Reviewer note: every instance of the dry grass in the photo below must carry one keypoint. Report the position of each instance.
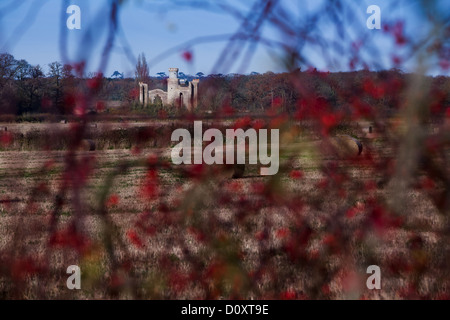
(20, 173)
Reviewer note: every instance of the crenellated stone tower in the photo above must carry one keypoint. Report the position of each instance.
(173, 86)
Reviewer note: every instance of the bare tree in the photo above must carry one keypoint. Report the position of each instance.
(7, 66)
(56, 74)
(142, 71)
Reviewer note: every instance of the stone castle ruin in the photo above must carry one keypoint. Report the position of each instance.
(177, 94)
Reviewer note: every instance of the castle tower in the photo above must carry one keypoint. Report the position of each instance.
(194, 93)
(172, 86)
(143, 93)
(173, 73)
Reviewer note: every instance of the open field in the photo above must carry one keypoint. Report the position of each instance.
(189, 232)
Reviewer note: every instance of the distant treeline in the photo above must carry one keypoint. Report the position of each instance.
(26, 89)
(300, 90)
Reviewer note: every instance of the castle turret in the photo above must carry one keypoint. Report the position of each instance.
(172, 85)
(143, 93)
(194, 97)
(173, 73)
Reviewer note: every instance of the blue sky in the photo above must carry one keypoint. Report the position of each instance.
(30, 30)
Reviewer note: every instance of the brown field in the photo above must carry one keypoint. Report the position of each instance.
(24, 220)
